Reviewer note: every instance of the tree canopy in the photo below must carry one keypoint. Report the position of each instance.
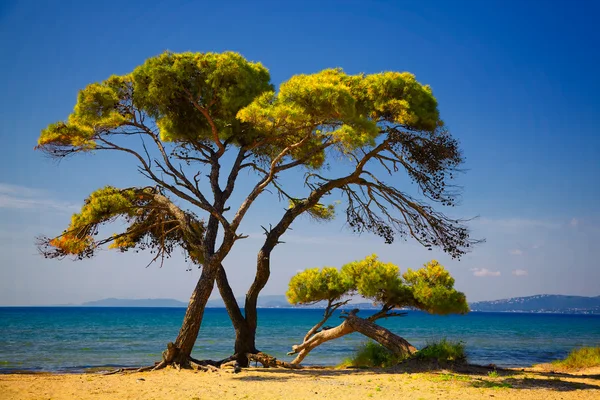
(194, 106)
(430, 288)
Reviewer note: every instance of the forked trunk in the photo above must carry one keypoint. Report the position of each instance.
(244, 325)
(244, 334)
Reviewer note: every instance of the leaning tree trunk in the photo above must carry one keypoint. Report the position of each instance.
(195, 311)
(319, 338)
(383, 336)
(352, 323)
(180, 352)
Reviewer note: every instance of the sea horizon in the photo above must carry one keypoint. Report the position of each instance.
(287, 308)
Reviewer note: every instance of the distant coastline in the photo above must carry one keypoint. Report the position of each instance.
(545, 303)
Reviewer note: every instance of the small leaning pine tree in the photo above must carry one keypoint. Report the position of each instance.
(430, 289)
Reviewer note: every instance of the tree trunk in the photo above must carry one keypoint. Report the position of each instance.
(245, 326)
(245, 343)
(383, 336)
(193, 315)
(319, 338)
(181, 351)
(244, 335)
(263, 271)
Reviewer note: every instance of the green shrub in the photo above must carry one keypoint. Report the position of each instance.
(372, 354)
(584, 357)
(443, 351)
(493, 374)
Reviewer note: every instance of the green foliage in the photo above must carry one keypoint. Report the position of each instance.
(336, 106)
(433, 290)
(149, 226)
(584, 357)
(101, 206)
(429, 289)
(198, 97)
(177, 90)
(443, 351)
(373, 279)
(372, 355)
(319, 212)
(313, 285)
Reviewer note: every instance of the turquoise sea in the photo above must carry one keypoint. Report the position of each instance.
(76, 338)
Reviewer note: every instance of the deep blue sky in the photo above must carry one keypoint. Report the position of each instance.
(516, 81)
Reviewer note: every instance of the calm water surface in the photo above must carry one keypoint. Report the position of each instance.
(75, 338)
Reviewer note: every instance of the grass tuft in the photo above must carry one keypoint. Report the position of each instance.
(584, 357)
(372, 355)
(443, 351)
(491, 385)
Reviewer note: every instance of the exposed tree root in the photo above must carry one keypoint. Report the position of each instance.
(271, 362)
(119, 370)
(172, 357)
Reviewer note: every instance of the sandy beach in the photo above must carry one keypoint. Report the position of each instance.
(255, 383)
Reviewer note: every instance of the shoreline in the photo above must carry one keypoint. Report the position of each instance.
(467, 382)
(91, 370)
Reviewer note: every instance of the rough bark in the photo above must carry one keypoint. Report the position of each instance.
(383, 336)
(352, 323)
(245, 343)
(319, 338)
(244, 336)
(329, 310)
(194, 313)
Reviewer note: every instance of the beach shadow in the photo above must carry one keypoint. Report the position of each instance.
(471, 375)
(499, 378)
(549, 371)
(282, 374)
(555, 384)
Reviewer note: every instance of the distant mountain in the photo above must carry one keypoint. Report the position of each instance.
(542, 303)
(135, 303)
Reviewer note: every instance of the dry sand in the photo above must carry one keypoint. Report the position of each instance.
(335, 384)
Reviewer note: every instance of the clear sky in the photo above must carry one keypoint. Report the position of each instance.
(517, 83)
